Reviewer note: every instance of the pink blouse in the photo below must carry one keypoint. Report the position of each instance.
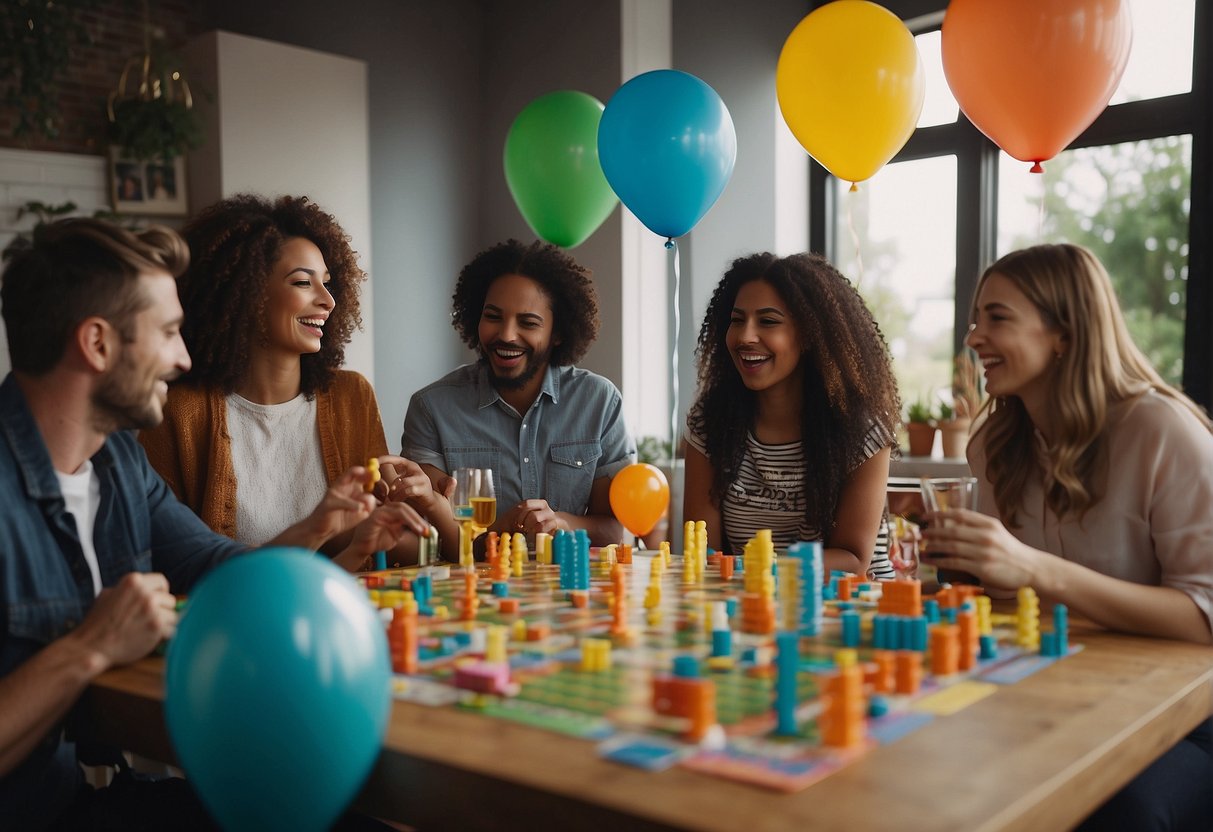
(1154, 522)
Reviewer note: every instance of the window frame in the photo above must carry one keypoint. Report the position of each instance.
(977, 186)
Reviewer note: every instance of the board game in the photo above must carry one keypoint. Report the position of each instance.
(755, 668)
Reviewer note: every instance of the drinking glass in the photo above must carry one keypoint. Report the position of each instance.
(465, 487)
(483, 498)
(943, 493)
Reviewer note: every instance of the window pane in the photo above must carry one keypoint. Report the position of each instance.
(938, 107)
(902, 223)
(1128, 203)
(1160, 61)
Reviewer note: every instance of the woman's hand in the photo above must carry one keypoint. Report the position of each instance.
(980, 545)
(404, 481)
(382, 530)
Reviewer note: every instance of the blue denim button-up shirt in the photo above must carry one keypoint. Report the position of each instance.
(45, 585)
(573, 434)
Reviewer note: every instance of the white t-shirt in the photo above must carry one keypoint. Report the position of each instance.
(82, 493)
(280, 474)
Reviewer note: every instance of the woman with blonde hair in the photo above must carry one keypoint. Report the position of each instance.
(1095, 483)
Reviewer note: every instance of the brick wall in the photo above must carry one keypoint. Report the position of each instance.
(116, 29)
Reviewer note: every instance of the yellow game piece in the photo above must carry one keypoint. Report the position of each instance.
(372, 467)
(494, 648)
(543, 548)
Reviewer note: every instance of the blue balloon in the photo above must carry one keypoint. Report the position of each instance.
(667, 146)
(278, 690)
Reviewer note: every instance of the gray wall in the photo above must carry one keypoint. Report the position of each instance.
(424, 61)
(535, 47)
(447, 79)
(734, 49)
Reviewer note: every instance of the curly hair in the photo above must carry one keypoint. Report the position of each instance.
(848, 382)
(74, 269)
(234, 245)
(1101, 365)
(569, 287)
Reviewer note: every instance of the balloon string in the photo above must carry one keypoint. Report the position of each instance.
(673, 247)
(1040, 216)
(855, 236)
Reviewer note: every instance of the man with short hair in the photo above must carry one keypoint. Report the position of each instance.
(91, 539)
(553, 434)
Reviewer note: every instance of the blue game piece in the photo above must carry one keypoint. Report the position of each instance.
(686, 667)
(988, 647)
(722, 642)
(850, 628)
(786, 662)
(949, 615)
(501, 589)
(380, 561)
(878, 706)
(930, 608)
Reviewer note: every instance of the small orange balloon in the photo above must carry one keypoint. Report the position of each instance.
(640, 494)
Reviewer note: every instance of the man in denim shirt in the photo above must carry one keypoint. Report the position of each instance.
(553, 434)
(91, 539)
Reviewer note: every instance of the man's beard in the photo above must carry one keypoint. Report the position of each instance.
(119, 403)
(535, 363)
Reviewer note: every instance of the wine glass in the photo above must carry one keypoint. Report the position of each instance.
(483, 498)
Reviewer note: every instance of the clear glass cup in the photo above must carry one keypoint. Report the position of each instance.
(466, 485)
(943, 493)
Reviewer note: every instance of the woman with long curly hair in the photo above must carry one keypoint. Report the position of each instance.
(1095, 487)
(265, 420)
(794, 425)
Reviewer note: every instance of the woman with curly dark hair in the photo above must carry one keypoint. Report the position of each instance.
(794, 425)
(553, 434)
(265, 420)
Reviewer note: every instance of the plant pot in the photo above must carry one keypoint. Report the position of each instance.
(922, 438)
(955, 437)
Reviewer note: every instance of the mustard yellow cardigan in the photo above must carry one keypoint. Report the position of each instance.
(192, 449)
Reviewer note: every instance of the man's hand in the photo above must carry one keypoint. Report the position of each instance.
(530, 517)
(128, 619)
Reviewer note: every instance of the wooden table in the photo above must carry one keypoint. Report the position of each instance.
(1037, 755)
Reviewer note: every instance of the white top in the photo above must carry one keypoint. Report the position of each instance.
(279, 471)
(82, 493)
(768, 493)
(1154, 523)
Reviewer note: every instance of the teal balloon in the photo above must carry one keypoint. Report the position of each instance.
(668, 147)
(277, 691)
(552, 168)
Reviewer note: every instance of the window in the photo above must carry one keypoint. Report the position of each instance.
(1131, 188)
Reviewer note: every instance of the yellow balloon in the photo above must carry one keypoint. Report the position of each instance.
(850, 85)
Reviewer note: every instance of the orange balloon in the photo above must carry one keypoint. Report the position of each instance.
(1033, 74)
(640, 494)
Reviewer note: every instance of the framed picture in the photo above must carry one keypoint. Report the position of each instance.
(150, 187)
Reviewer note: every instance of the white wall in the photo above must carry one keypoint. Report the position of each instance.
(424, 62)
(301, 128)
(52, 179)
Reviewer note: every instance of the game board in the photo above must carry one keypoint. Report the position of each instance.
(733, 667)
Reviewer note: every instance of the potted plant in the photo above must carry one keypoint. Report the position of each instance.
(920, 428)
(956, 419)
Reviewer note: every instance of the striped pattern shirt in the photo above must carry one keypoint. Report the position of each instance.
(768, 493)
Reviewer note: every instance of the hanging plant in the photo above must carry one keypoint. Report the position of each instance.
(157, 129)
(36, 40)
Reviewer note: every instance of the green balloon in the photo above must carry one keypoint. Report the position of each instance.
(552, 168)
